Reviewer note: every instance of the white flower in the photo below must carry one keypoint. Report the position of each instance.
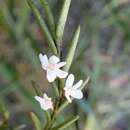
(45, 102)
(52, 67)
(72, 90)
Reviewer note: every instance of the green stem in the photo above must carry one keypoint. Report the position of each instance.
(49, 17)
(49, 125)
(57, 106)
(43, 26)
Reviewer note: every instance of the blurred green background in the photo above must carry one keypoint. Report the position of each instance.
(103, 54)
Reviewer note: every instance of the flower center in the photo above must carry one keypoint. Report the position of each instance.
(49, 104)
(51, 66)
(68, 90)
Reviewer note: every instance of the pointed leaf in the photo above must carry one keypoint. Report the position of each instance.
(28, 98)
(23, 18)
(85, 82)
(66, 123)
(8, 20)
(43, 26)
(91, 123)
(48, 118)
(36, 121)
(72, 49)
(62, 21)
(36, 87)
(49, 16)
(61, 108)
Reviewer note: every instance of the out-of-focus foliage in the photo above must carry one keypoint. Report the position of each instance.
(103, 54)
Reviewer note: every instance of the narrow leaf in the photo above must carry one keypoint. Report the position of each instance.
(91, 123)
(43, 26)
(36, 88)
(85, 82)
(61, 108)
(8, 21)
(62, 21)
(49, 16)
(36, 121)
(66, 123)
(28, 98)
(72, 49)
(48, 118)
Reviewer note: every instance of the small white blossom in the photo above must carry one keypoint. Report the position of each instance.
(45, 102)
(52, 67)
(72, 90)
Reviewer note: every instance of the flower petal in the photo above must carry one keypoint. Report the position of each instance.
(69, 81)
(61, 74)
(53, 59)
(68, 97)
(51, 75)
(61, 64)
(44, 107)
(45, 102)
(48, 107)
(39, 99)
(78, 84)
(77, 94)
(43, 60)
(45, 96)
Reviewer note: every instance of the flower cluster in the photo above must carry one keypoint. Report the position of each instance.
(52, 67)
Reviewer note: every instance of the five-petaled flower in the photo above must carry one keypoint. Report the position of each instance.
(45, 102)
(72, 90)
(52, 67)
